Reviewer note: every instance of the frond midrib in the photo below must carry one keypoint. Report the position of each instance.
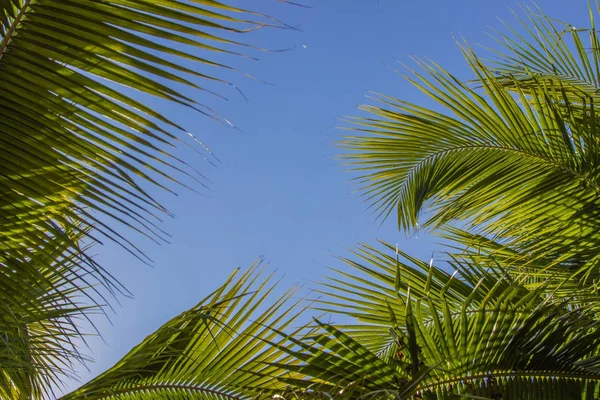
(498, 147)
(510, 374)
(13, 28)
(170, 386)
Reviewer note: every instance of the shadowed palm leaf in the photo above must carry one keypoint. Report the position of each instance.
(562, 279)
(43, 297)
(335, 365)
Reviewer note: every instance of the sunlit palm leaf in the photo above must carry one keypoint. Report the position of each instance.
(502, 339)
(75, 145)
(217, 350)
(553, 51)
(515, 160)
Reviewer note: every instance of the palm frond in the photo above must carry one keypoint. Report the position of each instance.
(338, 366)
(43, 299)
(550, 50)
(220, 349)
(75, 145)
(500, 340)
(80, 150)
(510, 160)
(368, 292)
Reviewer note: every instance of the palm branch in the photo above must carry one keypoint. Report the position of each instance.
(80, 149)
(219, 349)
(43, 299)
(333, 364)
(550, 50)
(475, 333)
(76, 145)
(562, 279)
(513, 156)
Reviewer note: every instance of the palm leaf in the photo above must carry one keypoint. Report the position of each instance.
(43, 299)
(503, 339)
(338, 366)
(220, 349)
(75, 145)
(514, 159)
(550, 50)
(559, 277)
(78, 149)
(369, 290)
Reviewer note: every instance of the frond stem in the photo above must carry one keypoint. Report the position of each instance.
(174, 386)
(13, 28)
(525, 374)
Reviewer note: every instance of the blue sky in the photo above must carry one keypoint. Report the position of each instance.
(278, 191)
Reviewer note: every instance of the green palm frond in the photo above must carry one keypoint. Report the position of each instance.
(78, 150)
(561, 278)
(514, 161)
(369, 290)
(552, 51)
(75, 145)
(338, 366)
(43, 298)
(461, 163)
(220, 349)
(500, 340)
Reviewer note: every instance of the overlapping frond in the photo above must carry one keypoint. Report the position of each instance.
(502, 340)
(559, 277)
(514, 156)
(368, 292)
(338, 366)
(220, 349)
(75, 145)
(552, 51)
(42, 303)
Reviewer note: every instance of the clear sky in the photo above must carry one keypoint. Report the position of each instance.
(278, 191)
